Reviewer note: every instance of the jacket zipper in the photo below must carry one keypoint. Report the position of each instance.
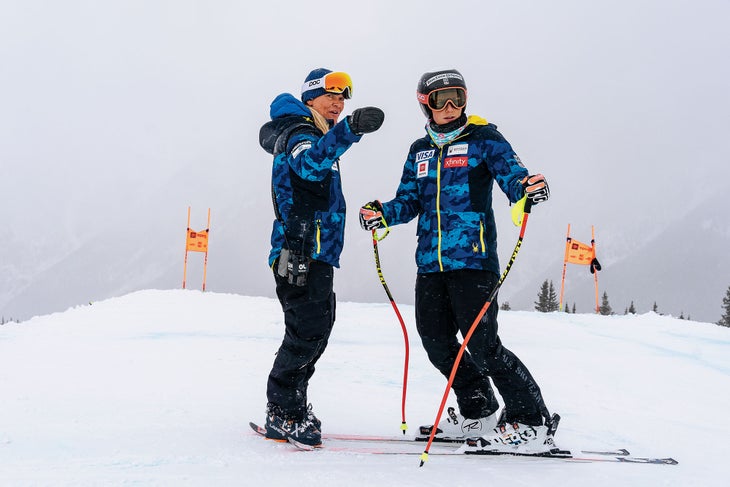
(438, 206)
(319, 226)
(481, 236)
(438, 198)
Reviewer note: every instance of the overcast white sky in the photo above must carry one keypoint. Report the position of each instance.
(122, 113)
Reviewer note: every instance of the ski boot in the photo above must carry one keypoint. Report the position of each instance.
(516, 439)
(457, 428)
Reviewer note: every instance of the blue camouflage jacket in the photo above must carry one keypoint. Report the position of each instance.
(449, 189)
(305, 181)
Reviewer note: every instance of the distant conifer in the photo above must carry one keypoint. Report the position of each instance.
(725, 320)
(547, 299)
(605, 308)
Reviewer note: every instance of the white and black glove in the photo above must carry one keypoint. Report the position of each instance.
(371, 216)
(536, 188)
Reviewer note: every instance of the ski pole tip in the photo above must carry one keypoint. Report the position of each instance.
(424, 457)
(403, 427)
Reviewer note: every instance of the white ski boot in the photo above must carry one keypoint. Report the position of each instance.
(457, 428)
(515, 439)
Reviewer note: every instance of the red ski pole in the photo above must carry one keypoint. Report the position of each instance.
(376, 238)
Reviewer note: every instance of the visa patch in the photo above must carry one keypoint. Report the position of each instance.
(425, 155)
(456, 162)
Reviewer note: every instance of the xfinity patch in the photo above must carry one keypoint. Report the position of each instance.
(458, 150)
(422, 169)
(300, 147)
(424, 155)
(456, 162)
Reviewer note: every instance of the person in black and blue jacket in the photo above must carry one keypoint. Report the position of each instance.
(447, 183)
(306, 140)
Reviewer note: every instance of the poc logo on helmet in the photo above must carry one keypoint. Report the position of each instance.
(314, 82)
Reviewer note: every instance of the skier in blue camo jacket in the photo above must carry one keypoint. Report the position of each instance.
(307, 141)
(447, 183)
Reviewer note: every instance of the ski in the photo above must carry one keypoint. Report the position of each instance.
(395, 445)
(596, 456)
(563, 455)
(374, 438)
(302, 446)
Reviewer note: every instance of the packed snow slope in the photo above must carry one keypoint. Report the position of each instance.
(158, 387)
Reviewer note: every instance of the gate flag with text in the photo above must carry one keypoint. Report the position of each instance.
(582, 254)
(196, 241)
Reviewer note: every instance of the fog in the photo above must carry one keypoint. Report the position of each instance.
(116, 116)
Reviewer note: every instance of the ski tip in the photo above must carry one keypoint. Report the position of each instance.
(257, 429)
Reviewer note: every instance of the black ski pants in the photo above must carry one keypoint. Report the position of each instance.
(309, 315)
(448, 303)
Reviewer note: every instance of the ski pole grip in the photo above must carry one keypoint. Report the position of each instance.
(528, 205)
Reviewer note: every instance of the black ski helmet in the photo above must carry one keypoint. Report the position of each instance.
(433, 81)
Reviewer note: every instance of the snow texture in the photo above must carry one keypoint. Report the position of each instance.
(158, 387)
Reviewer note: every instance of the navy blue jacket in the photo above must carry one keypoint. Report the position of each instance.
(449, 189)
(305, 181)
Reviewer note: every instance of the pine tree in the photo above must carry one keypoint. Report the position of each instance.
(505, 306)
(547, 299)
(605, 308)
(632, 308)
(725, 320)
(553, 304)
(542, 297)
(573, 308)
(655, 308)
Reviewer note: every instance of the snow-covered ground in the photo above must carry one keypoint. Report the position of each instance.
(158, 387)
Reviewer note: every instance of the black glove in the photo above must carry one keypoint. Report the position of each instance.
(366, 120)
(371, 216)
(536, 188)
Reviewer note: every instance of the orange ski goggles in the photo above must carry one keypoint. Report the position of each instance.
(337, 82)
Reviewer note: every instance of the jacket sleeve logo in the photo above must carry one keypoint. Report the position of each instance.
(299, 148)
